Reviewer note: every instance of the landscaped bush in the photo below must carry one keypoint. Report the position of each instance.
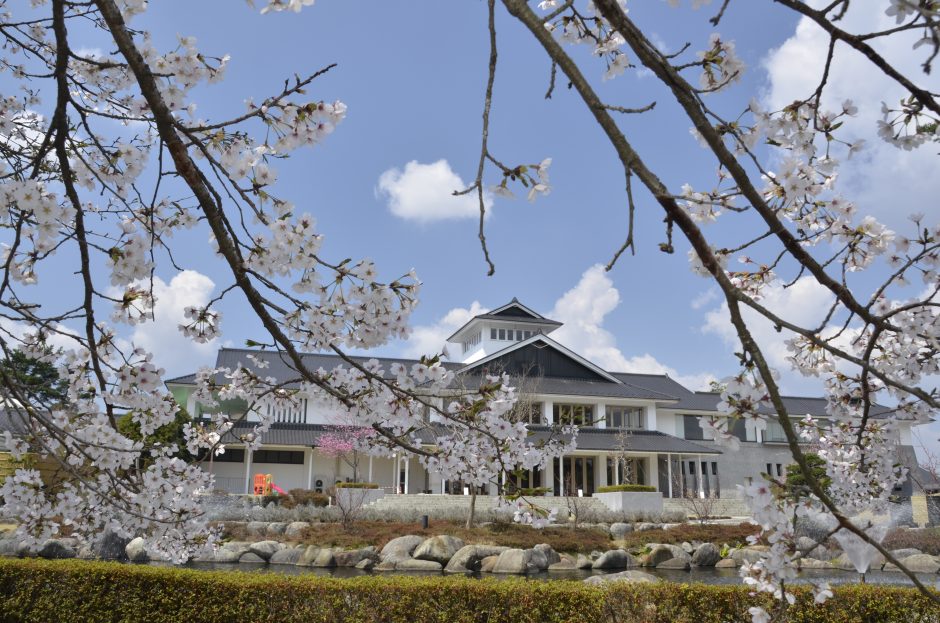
(713, 533)
(356, 485)
(617, 488)
(308, 496)
(34, 591)
(926, 540)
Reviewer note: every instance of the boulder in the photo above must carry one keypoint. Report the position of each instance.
(110, 546)
(309, 555)
(27, 551)
(353, 557)
(843, 562)
(85, 553)
(727, 563)
(55, 548)
(550, 553)
(287, 556)
(468, 557)
(583, 562)
(674, 563)
(567, 563)
(136, 550)
(226, 555)
(614, 559)
(662, 553)
(918, 563)
(620, 529)
(265, 549)
(8, 546)
(623, 576)
(905, 552)
(706, 555)
(514, 561)
(365, 564)
(256, 528)
(413, 564)
(644, 526)
(438, 548)
(325, 558)
(687, 547)
(813, 563)
(401, 547)
(750, 554)
(295, 530)
(252, 558)
(489, 563)
(276, 528)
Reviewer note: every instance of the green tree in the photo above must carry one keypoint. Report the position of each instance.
(167, 434)
(33, 380)
(795, 483)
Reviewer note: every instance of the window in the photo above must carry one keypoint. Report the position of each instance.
(778, 471)
(502, 334)
(231, 455)
(579, 415)
(285, 457)
(492, 334)
(693, 429)
(774, 432)
(530, 413)
(625, 417)
(472, 341)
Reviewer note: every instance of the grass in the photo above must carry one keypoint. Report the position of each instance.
(570, 540)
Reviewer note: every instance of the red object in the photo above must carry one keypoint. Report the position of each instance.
(278, 489)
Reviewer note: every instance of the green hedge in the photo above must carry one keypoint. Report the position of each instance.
(356, 485)
(71, 591)
(616, 488)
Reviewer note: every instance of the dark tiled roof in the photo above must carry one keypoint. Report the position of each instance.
(284, 434)
(514, 319)
(797, 406)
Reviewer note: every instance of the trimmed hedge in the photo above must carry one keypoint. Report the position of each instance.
(617, 488)
(356, 485)
(38, 591)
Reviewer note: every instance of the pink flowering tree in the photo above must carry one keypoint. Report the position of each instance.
(346, 443)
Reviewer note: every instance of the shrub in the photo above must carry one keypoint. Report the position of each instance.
(926, 540)
(617, 488)
(37, 591)
(356, 485)
(308, 496)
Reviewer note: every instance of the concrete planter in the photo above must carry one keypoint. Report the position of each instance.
(349, 498)
(650, 502)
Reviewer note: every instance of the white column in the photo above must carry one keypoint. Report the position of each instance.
(601, 461)
(561, 475)
(548, 477)
(247, 471)
(396, 466)
(600, 416)
(669, 472)
(651, 417)
(548, 411)
(407, 470)
(370, 468)
(310, 468)
(443, 485)
(698, 475)
(653, 471)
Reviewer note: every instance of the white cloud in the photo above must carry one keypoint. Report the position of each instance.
(583, 308)
(704, 298)
(161, 337)
(424, 193)
(805, 303)
(429, 339)
(882, 180)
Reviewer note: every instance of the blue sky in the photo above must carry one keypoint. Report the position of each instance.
(412, 74)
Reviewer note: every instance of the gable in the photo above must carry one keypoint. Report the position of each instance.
(540, 360)
(514, 311)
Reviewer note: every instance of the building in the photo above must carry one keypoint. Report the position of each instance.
(649, 421)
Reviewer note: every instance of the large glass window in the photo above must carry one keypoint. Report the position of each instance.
(528, 412)
(287, 457)
(579, 415)
(693, 429)
(774, 432)
(625, 417)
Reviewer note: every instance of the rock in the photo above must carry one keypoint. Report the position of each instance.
(620, 529)
(674, 563)
(276, 528)
(706, 555)
(412, 564)
(644, 526)
(110, 546)
(614, 559)
(237, 546)
(365, 564)
(226, 555)
(438, 548)
(750, 554)
(136, 550)
(85, 553)
(401, 548)
(918, 563)
(55, 548)
(295, 530)
(550, 553)
(489, 563)
(309, 555)
(265, 549)
(256, 528)
(567, 563)
(843, 562)
(252, 559)
(727, 563)
(287, 556)
(687, 547)
(813, 563)
(325, 558)
(514, 561)
(583, 562)
(623, 576)
(662, 553)
(354, 557)
(468, 557)
(905, 552)
(8, 547)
